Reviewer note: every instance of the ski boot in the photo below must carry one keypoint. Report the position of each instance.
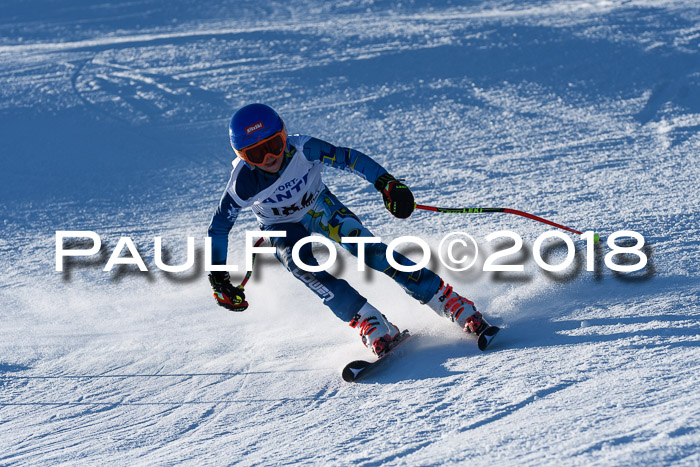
(446, 302)
(376, 331)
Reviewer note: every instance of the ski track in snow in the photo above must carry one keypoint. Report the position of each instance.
(113, 119)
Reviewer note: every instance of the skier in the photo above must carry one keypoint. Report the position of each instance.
(279, 177)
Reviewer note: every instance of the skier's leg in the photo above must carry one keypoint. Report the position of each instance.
(332, 219)
(345, 302)
(329, 217)
(448, 303)
(375, 329)
(336, 293)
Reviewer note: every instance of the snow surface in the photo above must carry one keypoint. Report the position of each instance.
(113, 118)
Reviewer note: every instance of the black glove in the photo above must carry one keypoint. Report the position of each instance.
(227, 295)
(398, 199)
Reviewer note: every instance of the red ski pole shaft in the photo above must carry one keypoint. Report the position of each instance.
(505, 210)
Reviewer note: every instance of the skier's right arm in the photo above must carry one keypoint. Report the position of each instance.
(239, 193)
(220, 226)
(225, 293)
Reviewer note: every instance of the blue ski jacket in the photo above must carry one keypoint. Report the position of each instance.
(285, 196)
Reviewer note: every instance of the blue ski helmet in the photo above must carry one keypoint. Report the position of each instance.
(253, 123)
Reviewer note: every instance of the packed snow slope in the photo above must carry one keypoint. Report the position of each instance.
(113, 118)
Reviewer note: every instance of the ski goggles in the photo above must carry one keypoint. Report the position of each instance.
(261, 152)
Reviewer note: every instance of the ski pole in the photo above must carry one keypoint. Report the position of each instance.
(250, 273)
(505, 210)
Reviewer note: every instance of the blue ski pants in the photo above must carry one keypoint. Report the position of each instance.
(330, 218)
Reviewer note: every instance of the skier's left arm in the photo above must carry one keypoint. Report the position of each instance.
(398, 198)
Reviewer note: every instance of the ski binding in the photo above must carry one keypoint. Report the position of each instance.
(360, 368)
